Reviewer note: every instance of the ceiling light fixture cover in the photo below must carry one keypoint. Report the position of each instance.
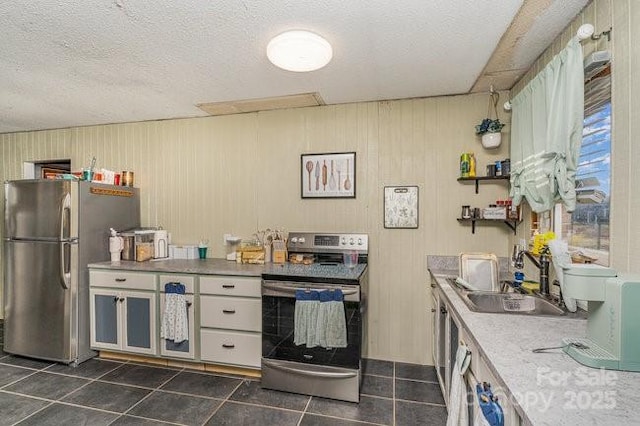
(299, 51)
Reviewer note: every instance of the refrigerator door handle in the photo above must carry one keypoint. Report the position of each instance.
(65, 217)
(65, 264)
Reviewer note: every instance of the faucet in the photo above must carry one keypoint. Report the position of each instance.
(542, 263)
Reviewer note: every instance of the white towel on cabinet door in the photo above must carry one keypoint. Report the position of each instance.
(458, 414)
(175, 325)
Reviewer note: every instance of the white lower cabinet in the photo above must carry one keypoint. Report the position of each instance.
(123, 320)
(449, 333)
(231, 320)
(187, 348)
(231, 347)
(224, 315)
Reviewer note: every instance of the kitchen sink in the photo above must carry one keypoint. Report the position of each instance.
(506, 302)
(510, 303)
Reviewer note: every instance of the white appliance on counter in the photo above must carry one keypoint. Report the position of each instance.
(52, 230)
(613, 324)
(160, 244)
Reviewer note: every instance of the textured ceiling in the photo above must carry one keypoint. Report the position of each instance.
(74, 63)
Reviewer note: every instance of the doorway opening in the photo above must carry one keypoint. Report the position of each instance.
(47, 169)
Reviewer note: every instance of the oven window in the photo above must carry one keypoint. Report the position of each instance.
(277, 336)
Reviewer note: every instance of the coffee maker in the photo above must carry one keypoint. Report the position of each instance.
(613, 323)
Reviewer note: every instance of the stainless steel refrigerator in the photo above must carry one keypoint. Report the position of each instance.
(53, 229)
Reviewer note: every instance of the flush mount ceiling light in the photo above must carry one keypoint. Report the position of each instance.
(299, 51)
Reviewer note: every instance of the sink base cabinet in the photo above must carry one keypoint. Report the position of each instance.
(449, 333)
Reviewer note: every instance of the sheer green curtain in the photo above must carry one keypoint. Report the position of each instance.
(546, 133)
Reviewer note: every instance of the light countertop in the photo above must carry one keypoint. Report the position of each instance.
(547, 388)
(184, 266)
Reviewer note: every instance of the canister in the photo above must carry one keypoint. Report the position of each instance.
(465, 165)
(127, 178)
(506, 167)
(128, 246)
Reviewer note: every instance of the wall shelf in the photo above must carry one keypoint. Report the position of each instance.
(511, 223)
(478, 179)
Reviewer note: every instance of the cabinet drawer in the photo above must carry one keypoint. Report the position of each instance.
(225, 285)
(122, 279)
(187, 280)
(229, 347)
(236, 313)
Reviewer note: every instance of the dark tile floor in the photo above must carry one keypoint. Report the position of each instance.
(104, 392)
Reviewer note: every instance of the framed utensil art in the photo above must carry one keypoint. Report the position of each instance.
(401, 207)
(330, 175)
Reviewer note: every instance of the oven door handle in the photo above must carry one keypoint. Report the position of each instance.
(292, 290)
(325, 374)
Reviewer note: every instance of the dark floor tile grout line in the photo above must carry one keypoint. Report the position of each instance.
(417, 380)
(434, 404)
(304, 410)
(344, 418)
(34, 413)
(290, 410)
(223, 402)
(393, 394)
(70, 404)
(146, 418)
(16, 381)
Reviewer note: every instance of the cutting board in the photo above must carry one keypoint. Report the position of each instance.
(480, 270)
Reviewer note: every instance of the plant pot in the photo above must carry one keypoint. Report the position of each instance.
(491, 140)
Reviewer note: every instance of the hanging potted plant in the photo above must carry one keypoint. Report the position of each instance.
(490, 128)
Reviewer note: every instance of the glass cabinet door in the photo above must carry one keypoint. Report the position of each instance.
(139, 322)
(105, 321)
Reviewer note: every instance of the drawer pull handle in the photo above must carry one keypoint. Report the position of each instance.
(121, 299)
(228, 286)
(228, 346)
(228, 311)
(189, 304)
(120, 280)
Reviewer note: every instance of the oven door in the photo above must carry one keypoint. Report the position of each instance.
(278, 313)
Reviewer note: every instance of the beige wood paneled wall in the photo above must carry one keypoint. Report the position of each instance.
(201, 178)
(623, 16)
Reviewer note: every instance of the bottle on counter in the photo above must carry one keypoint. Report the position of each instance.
(465, 165)
(472, 165)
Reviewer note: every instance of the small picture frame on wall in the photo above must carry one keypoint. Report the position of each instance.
(400, 207)
(330, 175)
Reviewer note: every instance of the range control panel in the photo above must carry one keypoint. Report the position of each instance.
(320, 242)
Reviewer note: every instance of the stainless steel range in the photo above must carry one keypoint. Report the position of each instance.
(301, 303)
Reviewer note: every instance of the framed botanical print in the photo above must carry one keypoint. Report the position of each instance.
(401, 207)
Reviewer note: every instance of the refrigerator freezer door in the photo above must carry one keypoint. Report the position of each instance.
(40, 290)
(38, 210)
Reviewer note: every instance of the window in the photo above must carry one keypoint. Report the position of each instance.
(587, 228)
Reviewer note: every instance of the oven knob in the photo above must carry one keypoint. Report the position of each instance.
(344, 241)
(351, 241)
(301, 240)
(294, 240)
(359, 241)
